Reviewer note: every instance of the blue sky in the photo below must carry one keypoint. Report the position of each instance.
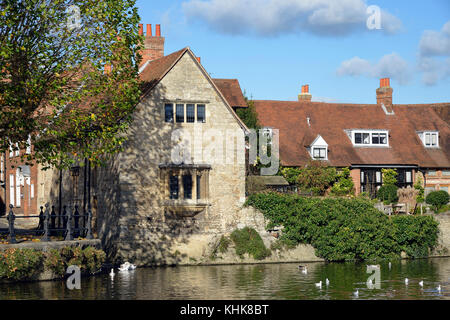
(275, 46)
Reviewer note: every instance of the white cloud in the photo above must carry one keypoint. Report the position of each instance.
(389, 66)
(275, 17)
(434, 55)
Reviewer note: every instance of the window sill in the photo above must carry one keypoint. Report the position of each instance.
(186, 208)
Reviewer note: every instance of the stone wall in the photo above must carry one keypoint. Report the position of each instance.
(443, 248)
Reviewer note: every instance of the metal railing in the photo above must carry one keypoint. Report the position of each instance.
(48, 224)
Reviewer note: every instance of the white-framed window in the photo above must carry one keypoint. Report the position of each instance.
(408, 177)
(432, 172)
(446, 172)
(2, 168)
(370, 138)
(319, 153)
(378, 176)
(18, 188)
(430, 139)
(11, 189)
(28, 151)
(184, 113)
(32, 191)
(362, 176)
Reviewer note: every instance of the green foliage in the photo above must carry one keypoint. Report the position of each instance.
(89, 259)
(344, 184)
(316, 177)
(20, 264)
(52, 81)
(389, 176)
(437, 199)
(247, 240)
(339, 229)
(290, 174)
(249, 115)
(388, 194)
(418, 186)
(416, 235)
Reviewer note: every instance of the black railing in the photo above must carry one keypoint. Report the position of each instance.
(66, 224)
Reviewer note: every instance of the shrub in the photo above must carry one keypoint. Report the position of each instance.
(247, 240)
(290, 174)
(339, 229)
(437, 199)
(388, 194)
(418, 186)
(416, 234)
(389, 177)
(20, 264)
(316, 177)
(344, 184)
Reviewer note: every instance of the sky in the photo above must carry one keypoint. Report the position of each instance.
(341, 48)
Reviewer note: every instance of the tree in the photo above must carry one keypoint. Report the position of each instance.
(437, 199)
(389, 176)
(316, 177)
(249, 115)
(344, 184)
(53, 87)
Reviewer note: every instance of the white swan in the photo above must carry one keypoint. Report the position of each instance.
(438, 288)
(319, 284)
(421, 283)
(127, 266)
(304, 269)
(390, 265)
(112, 274)
(356, 293)
(327, 282)
(406, 281)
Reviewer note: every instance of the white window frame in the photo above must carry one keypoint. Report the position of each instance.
(431, 134)
(2, 168)
(370, 134)
(313, 149)
(12, 189)
(18, 189)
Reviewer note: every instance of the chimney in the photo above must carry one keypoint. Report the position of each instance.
(141, 29)
(384, 94)
(305, 95)
(153, 45)
(199, 60)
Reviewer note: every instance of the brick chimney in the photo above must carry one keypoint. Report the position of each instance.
(305, 95)
(153, 45)
(384, 94)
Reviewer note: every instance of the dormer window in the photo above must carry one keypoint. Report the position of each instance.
(370, 138)
(430, 139)
(319, 149)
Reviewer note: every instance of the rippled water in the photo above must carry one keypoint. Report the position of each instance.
(245, 282)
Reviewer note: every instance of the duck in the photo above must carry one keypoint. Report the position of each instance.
(356, 293)
(319, 284)
(421, 283)
(304, 269)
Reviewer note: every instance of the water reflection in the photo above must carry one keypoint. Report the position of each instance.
(242, 282)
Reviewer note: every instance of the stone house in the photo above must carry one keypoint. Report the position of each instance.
(180, 180)
(413, 139)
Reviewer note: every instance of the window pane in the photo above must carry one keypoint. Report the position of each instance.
(375, 138)
(431, 172)
(187, 186)
(190, 113)
(173, 185)
(408, 176)
(383, 138)
(168, 112)
(378, 176)
(446, 172)
(358, 138)
(434, 139)
(323, 153)
(427, 139)
(316, 153)
(199, 180)
(201, 114)
(366, 138)
(180, 112)
(362, 176)
(11, 189)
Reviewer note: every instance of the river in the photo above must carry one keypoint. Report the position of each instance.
(254, 282)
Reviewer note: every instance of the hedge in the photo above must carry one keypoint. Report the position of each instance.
(343, 229)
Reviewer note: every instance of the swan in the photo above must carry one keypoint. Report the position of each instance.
(111, 274)
(421, 283)
(406, 281)
(127, 266)
(390, 265)
(304, 269)
(319, 284)
(438, 288)
(327, 282)
(356, 293)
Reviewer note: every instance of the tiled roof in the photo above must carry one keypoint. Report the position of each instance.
(231, 90)
(330, 120)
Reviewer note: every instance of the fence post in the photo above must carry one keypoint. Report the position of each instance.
(89, 221)
(46, 237)
(12, 232)
(76, 230)
(53, 215)
(64, 218)
(69, 235)
(41, 219)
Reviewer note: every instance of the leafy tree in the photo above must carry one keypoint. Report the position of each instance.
(316, 177)
(419, 186)
(389, 176)
(438, 199)
(388, 193)
(290, 174)
(344, 184)
(53, 87)
(249, 115)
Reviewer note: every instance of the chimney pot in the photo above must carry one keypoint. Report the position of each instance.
(199, 60)
(149, 30)
(141, 29)
(158, 30)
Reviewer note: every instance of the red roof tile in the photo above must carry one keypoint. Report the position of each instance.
(231, 90)
(330, 120)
